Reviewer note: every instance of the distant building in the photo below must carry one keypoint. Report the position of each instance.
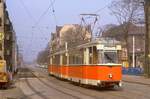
(136, 32)
(2, 12)
(71, 33)
(8, 43)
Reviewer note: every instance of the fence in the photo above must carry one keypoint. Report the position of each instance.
(132, 71)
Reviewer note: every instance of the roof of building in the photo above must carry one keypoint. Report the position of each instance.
(119, 31)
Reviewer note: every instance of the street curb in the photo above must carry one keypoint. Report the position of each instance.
(136, 82)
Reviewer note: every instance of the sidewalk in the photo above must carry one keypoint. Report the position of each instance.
(136, 79)
(12, 93)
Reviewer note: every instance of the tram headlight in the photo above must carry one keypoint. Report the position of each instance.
(110, 75)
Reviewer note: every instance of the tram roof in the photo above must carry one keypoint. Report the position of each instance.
(103, 41)
(59, 52)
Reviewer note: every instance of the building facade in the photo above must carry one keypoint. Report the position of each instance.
(2, 9)
(135, 42)
(72, 34)
(8, 42)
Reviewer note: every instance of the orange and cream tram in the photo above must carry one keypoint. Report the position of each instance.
(96, 63)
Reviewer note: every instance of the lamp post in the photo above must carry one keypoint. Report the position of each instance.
(133, 56)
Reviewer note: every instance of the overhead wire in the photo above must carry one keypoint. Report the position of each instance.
(104, 7)
(99, 10)
(40, 18)
(53, 10)
(27, 11)
(51, 6)
(45, 12)
(30, 15)
(33, 19)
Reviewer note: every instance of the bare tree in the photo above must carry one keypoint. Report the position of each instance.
(127, 12)
(43, 56)
(76, 36)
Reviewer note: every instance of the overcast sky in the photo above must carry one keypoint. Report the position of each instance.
(33, 31)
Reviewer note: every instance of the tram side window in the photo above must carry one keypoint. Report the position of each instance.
(75, 59)
(64, 59)
(56, 60)
(53, 60)
(78, 59)
(70, 59)
(95, 56)
(90, 55)
(100, 58)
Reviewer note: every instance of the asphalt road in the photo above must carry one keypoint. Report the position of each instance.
(37, 84)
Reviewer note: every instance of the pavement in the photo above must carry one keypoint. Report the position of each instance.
(136, 79)
(12, 93)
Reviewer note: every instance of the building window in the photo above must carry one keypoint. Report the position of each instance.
(7, 37)
(8, 52)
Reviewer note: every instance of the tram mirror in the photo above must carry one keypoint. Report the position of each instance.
(118, 47)
(100, 46)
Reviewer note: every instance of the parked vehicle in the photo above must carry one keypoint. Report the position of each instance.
(5, 76)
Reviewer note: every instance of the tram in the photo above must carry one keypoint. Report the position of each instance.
(96, 63)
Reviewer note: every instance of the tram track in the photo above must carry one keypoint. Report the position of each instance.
(49, 86)
(74, 96)
(70, 89)
(73, 91)
(95, 89)
(87, 94)
(34, 90)
(95, 97)
(112, 93)
(26, 72)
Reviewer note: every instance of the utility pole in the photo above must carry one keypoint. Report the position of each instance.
(147, 39)
(133, 56)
